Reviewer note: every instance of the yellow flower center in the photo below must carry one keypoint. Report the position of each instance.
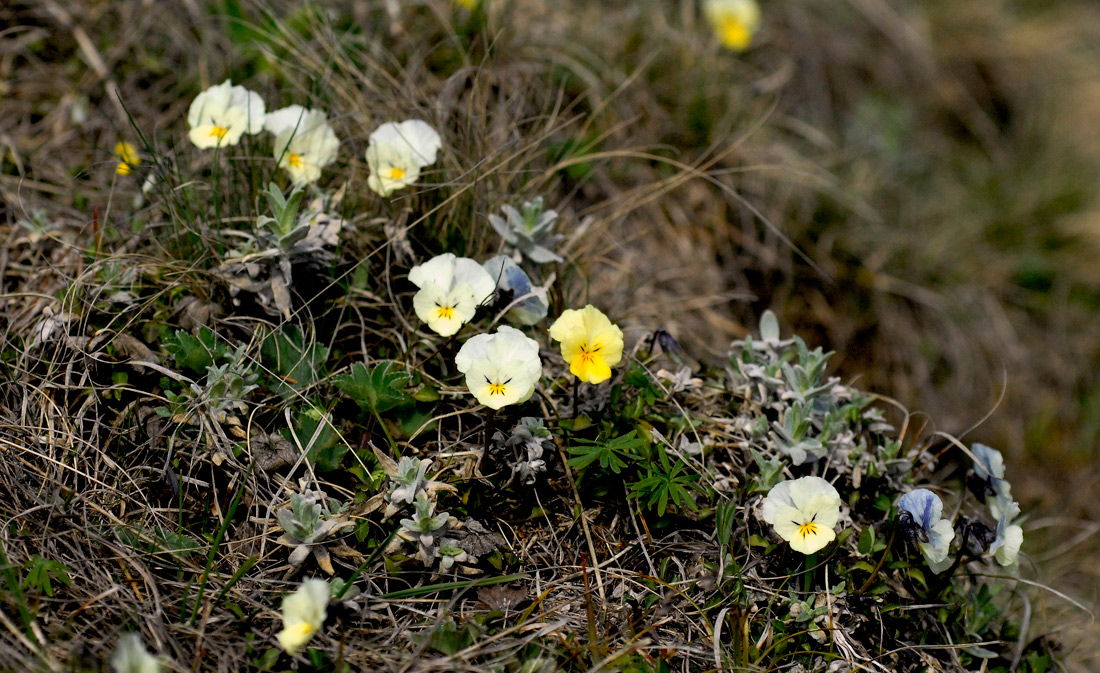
(588, 353)
(808, 528)
(218, 132)
(733, 33)
(294, 160)
(397, 173)
(445, 312)
(497, 388)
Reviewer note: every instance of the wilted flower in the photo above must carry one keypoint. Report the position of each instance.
(219, 116)
(734, 21)
(304, 612)
(304, 141)
(921, 515)
(529, 304)
(501, 368)
(451, 288)
(127, 156)
(1009, 536)
(131, 656)
(397, 152)
(803, 512)
(590, 343)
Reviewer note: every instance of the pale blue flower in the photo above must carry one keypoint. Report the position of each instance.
(529, 304)
(1009, 536)
(989, 467)
(924, 510)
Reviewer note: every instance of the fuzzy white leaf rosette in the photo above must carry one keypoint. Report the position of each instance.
(398, 152)
(219, 116)
(803, 512)
(304, 612)
(304, 142)
(501, 368)
(932, 532)
(451, 288)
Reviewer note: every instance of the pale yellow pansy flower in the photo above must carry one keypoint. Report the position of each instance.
(397, 153)
(451, 288)
(590, 343)
(304, 612)
(803, 512)
(219, 116)
(131, 656)
(304, 142)
(501, 368)
(735, 22)
(127, 156)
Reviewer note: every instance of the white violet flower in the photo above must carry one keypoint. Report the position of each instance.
(304, 612)
(397, 153)
(501, 368)
(304, 142)
(1009, 537)
(803, 511)
(219, 116)
(451, 288)
(922, 512)
(131, 656)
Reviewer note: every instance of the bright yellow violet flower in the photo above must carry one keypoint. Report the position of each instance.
(451, 288)
(304, 612)
(590, 343)
(803, 512)
(127, 156)
(219, 116)
(501, 368)
(131, 656)
(735, 22)
(304, 142)
(397, 153)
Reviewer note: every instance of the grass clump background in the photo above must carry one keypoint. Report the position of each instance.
(198, 410)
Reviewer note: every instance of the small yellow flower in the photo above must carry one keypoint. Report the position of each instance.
(468, 4)
(131, 656)
(304, 612)
(803, 512)
(219, 116)
(590, 343)
(397, 152)
(127, 157)
(304, 141)
(735, 22)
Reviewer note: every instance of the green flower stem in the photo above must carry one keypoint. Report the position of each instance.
(576, 395)
(386, 431)
(807, 576)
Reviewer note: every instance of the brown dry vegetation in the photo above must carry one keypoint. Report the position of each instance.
(910, 184)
